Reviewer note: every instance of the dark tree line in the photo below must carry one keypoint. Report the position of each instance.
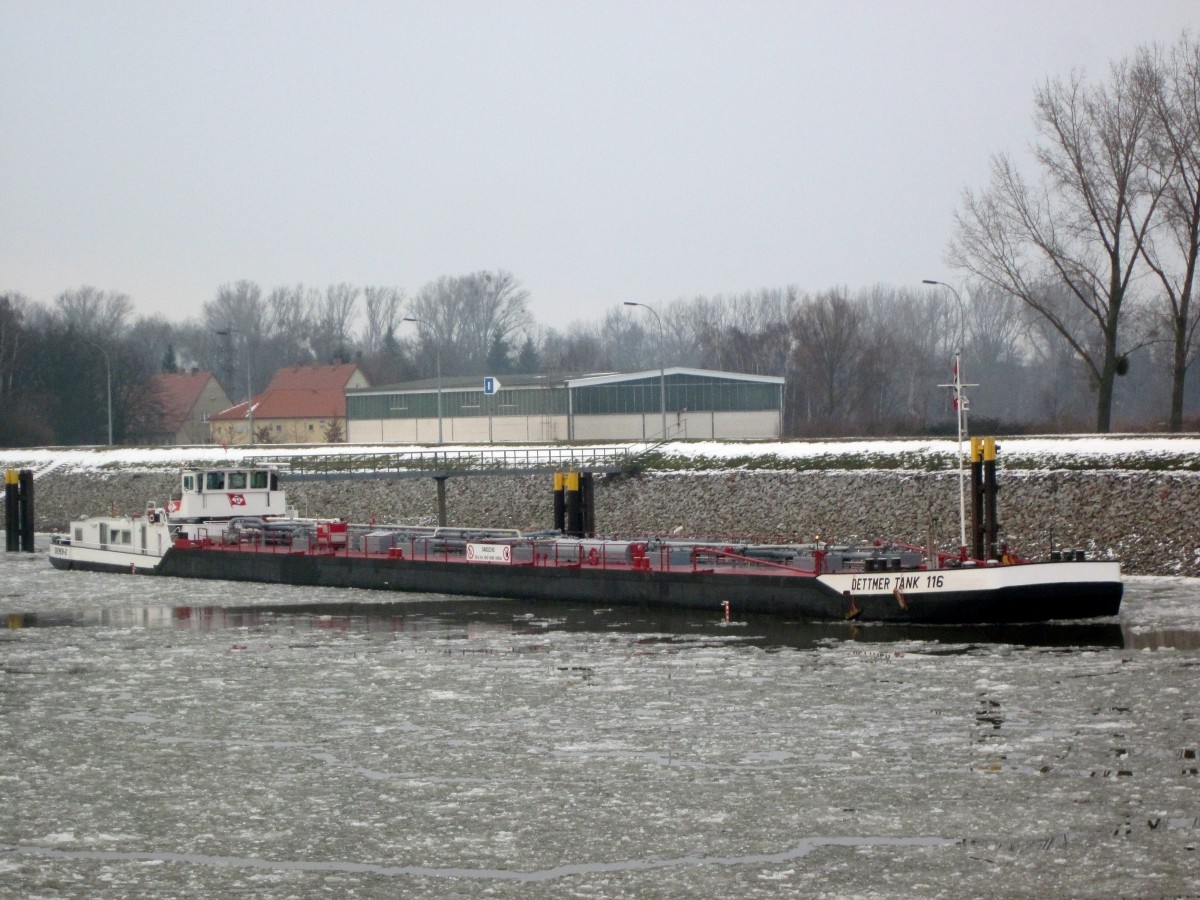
(864, 363)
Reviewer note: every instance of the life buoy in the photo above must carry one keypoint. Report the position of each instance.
(594, 557)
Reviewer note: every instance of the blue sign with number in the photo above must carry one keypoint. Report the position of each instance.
(490, 385)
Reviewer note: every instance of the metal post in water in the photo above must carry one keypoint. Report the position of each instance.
(977, 551)
(574, 513)
(560, 508)
(991, 525)
(12, 537)
(587, 496)
(25, 480)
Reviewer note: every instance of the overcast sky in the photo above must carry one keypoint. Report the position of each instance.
(600, 151)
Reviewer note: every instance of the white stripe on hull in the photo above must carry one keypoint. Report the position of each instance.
(135, 560)
(971, 578)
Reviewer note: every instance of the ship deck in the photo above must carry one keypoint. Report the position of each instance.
(702, 559)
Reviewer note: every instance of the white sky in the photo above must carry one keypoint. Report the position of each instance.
(599, 151)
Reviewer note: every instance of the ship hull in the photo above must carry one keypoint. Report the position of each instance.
(1026, 593)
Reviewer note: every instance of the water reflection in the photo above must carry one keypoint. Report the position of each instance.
(467, 619)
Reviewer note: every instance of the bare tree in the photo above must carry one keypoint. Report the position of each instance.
(12, 307)
(237, 310)
(382, 306)
(238, 306)
(335, 321)
(744, 333)
(1082, 227)
(577, 351)
(922, 329)
(1171, 80)
(290, 311)
(94, 313)
(464, 317)
(826, 338)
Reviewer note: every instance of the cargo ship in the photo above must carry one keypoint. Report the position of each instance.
(234, 523)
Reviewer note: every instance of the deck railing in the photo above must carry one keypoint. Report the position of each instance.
(522, 551)
(460, 459)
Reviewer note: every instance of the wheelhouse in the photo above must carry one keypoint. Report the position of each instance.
(229, 491)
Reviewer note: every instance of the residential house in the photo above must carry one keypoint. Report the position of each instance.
(181, 405)
(301, 405)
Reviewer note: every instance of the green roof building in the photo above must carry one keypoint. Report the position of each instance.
(537, 408)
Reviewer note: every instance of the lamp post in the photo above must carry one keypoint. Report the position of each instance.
(662, 364)
(960, 407)
(249, 383)
(438, 362)
(108, 372)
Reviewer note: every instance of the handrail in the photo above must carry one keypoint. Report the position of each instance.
(750, 560)
(504, 458)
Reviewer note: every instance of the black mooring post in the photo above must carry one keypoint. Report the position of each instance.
(991, 522)
(574, 513)
(25, 482)
(560, 507)
(976, 498)
(441, 489)
(587, 497)
(12, 537)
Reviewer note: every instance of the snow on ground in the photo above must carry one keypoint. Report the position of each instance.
(1136, 451)
(1089, 445)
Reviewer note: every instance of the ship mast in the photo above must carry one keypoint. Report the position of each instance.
(961, 406)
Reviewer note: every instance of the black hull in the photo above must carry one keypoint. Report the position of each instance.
(787, 595)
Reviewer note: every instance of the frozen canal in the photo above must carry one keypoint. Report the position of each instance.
(176, 738)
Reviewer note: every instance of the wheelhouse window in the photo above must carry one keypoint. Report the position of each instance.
(189, 482)
(258, 479)
(214, 481)
(237, 481)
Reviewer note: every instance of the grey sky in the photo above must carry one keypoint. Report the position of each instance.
(599, 151)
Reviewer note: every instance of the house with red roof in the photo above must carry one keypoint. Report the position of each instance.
(181, 404)
(301, 405)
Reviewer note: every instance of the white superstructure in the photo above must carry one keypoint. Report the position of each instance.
(206, 501)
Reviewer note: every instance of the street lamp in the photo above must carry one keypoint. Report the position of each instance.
(249, 383)
(960, 407)
(662, 364)
(438, 357)
(108, 372)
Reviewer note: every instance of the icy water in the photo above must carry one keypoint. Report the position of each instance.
(182, 739)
